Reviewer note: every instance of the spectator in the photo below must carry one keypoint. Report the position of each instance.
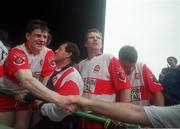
(172, 64)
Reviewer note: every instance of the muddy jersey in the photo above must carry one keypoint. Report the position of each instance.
(144, 85)
(21, 58)
(67, 82)
(103, 77)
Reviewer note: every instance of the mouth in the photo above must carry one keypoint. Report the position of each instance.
(40, 44)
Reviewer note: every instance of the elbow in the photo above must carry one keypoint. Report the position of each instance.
(26, 81)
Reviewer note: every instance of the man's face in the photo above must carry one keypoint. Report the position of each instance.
(61, 53)
(128, 67)
(36, 39)
(94, 41)
(171, 62)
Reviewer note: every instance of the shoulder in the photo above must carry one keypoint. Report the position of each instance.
(108, 56)
(16, 50)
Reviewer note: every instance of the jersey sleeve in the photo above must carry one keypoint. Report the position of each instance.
(119, 78)
(150, 80)
(53, 112)
(16, 60)
(49, 64)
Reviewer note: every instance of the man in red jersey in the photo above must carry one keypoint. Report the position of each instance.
(25, 65)
(65, 80)
(104, 78)
(146, 90)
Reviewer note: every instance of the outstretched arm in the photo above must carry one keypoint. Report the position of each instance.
(124, 112)
(33, 85)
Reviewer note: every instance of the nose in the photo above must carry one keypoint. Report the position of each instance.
(95, 38)
(55, 51)
(43, 39)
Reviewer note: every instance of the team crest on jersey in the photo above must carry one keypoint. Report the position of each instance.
(19, 59)
(121, 74)
(89, 85)
(96, 68)
(41, 62)
(52, 63)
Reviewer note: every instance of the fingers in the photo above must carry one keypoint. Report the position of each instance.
(71, 102)
(20, 97)
(71, 108)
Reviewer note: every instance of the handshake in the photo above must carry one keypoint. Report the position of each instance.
(69, 103)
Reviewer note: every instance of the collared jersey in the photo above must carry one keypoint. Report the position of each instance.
(103, 77)
(66, 82)
(144, 85)
(20, 58)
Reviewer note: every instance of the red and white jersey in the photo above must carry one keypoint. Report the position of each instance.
(103, 77)
(67, 82)
(144, 85)
(21, 58)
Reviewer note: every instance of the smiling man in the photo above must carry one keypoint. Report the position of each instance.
(26, 64)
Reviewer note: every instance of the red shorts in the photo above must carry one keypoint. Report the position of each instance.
(8, 103)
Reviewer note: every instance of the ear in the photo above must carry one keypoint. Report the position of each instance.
(69, 54)
(27, 36)
(85, 44)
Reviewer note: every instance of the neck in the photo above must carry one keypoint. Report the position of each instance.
(31, 50)
(93, 53)
(62, 63)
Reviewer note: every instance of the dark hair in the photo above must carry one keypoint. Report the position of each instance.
(128, 53)
(37, 24)
(3, 36)
(92, 30)
(49, 39)
(72, 48)
(172, 57)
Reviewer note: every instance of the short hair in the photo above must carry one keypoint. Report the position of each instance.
(128, 53)
(173, 58)
(49, 39)
(92, 30)
(36, 24)
(74, 49)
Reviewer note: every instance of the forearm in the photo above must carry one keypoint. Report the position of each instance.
(125, 95)
(123, 112)
(34, 86)
(44, 80)
(158, 99)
